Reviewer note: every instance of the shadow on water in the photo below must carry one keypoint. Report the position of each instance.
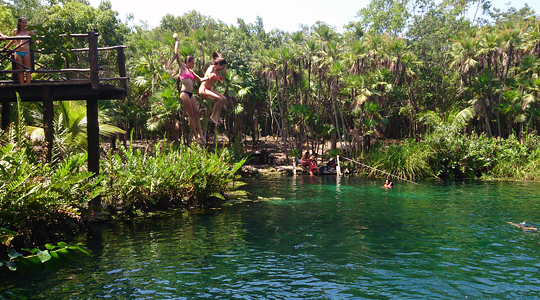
(320, 238)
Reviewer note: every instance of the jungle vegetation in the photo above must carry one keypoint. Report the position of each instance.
(413, 69)
(419, 88)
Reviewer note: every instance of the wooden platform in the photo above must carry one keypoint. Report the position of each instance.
(59, 90)
(90, 87)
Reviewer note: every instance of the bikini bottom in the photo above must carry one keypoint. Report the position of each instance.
(22, 53)
(190, 94)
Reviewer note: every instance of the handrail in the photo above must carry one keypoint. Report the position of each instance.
(99, 49)
(17, 37)
(25, 37)
(93, 69)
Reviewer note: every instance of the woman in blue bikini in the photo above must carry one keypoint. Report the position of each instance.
(186, 93)
(22, 52)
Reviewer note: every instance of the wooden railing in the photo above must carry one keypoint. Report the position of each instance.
(92, 71)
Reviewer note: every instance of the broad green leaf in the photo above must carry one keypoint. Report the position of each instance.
(13, 254)
(11, 265)
(50, 246)
(44, 255)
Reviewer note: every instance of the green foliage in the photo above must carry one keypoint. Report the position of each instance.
(51, 257)
(31, 190)
(334, 152)
(170, 176)
(517, 161)
(7, 21)
(385, 16)
(70, 127)
(295, 153)
(409, 160)
(77, 17)
(450, 154)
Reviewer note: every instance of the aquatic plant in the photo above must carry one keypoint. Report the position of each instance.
(167, 176)
(50, 258)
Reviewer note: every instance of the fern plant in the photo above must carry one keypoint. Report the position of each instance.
(171, 175)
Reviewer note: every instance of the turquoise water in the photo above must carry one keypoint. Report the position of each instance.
(321, 238)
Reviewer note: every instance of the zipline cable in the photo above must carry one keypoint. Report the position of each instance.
(354, 161)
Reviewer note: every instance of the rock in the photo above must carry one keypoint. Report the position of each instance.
(249, 170)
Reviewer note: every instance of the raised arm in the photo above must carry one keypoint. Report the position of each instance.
(180, 62)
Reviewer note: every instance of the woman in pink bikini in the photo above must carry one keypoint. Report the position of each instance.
(22, 52)
(216, 72)
(186, 94)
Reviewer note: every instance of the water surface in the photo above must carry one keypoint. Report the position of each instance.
(320, 238)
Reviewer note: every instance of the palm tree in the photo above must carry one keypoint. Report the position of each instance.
(70, 128)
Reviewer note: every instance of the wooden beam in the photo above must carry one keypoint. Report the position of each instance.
(48, 116)
(93, 55)
(45, 71)
(61, 90)
(121, 67)
(92, 131)
(99, 49)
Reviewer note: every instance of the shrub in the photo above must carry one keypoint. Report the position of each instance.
(170, 176)
(32, 191)
(409, 160)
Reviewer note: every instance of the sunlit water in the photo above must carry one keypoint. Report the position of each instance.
(321, 238)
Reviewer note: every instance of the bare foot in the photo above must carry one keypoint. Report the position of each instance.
(215, 120)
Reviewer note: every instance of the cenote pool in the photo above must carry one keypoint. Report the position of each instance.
(320, 238)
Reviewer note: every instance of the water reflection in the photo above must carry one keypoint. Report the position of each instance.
(321, 237)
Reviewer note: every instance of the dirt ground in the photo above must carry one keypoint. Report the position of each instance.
(274, 146)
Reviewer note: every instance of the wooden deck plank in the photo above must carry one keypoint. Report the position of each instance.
(61, 91)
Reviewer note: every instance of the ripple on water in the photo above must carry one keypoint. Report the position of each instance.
(316, 238)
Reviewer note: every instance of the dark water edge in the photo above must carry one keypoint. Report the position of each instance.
(319, 238)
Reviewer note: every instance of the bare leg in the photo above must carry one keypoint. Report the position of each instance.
(197, 119)
(220, 101)
(191, 117)
(19, 59)
(216, 111)
(27, 63)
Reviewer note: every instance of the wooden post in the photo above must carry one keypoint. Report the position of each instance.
(68, 75)
(93, 55)
(48, 116)
(338, 169)
(121, 67)
(6, 114)
(14, 75)
(92, 131)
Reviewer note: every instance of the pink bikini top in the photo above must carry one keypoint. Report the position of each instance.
(187, 74)
(217, 77)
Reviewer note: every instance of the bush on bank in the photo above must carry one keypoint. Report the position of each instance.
(42, 203)
(171, 175)
(455, 156)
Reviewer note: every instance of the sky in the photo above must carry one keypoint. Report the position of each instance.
(285, 15)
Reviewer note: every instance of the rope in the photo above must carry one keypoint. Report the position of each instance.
(354, 161)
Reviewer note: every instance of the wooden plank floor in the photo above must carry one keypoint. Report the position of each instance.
(60, 91)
